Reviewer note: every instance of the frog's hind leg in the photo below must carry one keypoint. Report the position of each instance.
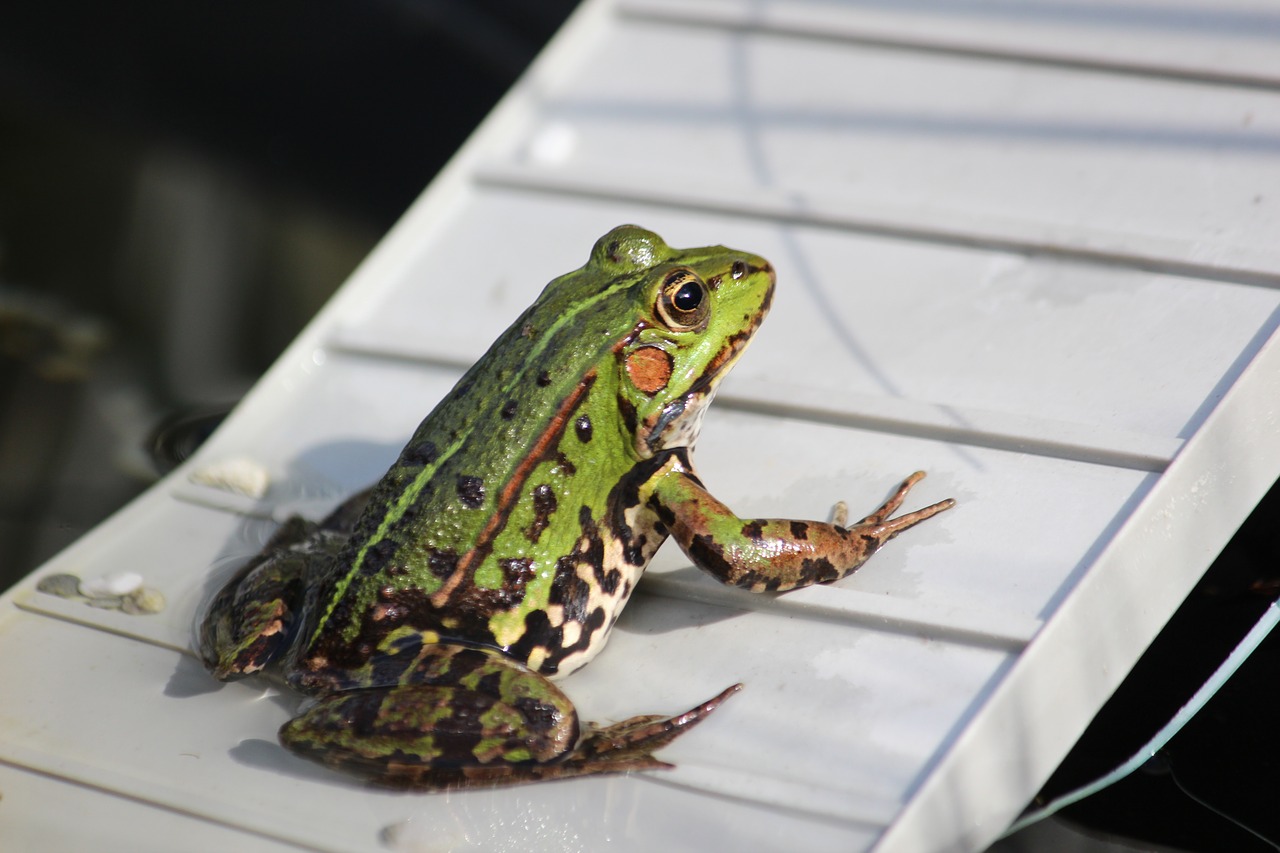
(249, 622)
(465, 716)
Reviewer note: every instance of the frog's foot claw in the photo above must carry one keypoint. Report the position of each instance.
(879, 524)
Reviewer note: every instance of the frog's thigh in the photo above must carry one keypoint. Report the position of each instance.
(492, 713)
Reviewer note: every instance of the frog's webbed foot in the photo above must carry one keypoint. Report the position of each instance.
(630, 744)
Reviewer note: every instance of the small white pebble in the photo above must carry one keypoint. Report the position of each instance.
(142, 601)
(239, 476)
(113, 585)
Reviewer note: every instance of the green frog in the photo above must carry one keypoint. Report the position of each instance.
(429, 615)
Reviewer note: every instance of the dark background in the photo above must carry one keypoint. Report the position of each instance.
(182, 185)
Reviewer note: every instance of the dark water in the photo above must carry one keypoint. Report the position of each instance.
(1215, 786)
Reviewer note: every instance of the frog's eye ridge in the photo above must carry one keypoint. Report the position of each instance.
(682, 302)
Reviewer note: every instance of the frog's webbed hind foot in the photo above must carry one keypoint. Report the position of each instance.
(630, 745)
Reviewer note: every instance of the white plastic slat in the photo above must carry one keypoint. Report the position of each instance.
(1228, 43)
(80, 814)
(1126, 158)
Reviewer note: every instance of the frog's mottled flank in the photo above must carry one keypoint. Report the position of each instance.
(426, 614)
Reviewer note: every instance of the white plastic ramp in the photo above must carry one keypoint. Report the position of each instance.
(1043, 269)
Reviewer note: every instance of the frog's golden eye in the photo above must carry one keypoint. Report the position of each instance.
(682, 302)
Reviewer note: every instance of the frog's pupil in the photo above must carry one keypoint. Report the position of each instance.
(688, 297)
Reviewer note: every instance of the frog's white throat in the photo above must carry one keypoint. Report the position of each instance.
(679, 422)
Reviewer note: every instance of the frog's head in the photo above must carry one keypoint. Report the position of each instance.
(697, 310)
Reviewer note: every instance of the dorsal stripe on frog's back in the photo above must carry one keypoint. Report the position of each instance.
(544, 447)
(409, 495)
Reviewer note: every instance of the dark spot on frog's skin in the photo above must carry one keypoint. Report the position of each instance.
(799, 530)
(471, 606)
(528, 330)
(591, 552)
(566, 467)
(753, 530)
(714, 282)
(613, 252)
(539, 716)
(377, 555)
(582, 428)
(490, 684)
(423, 453)
(470, 491)
(544, 379)
(709, 554)
(628, 413)
(539, 633)
(570, 591)
(665, 516)
(509, 410)
(516, 573)
(633, 551)
(462, 390)
(544, 503)
(442, 563)
(819, 570)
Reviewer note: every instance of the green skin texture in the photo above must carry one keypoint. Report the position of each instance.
(428, 613)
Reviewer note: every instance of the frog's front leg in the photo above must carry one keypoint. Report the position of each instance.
(465, 716)
(772, 554)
